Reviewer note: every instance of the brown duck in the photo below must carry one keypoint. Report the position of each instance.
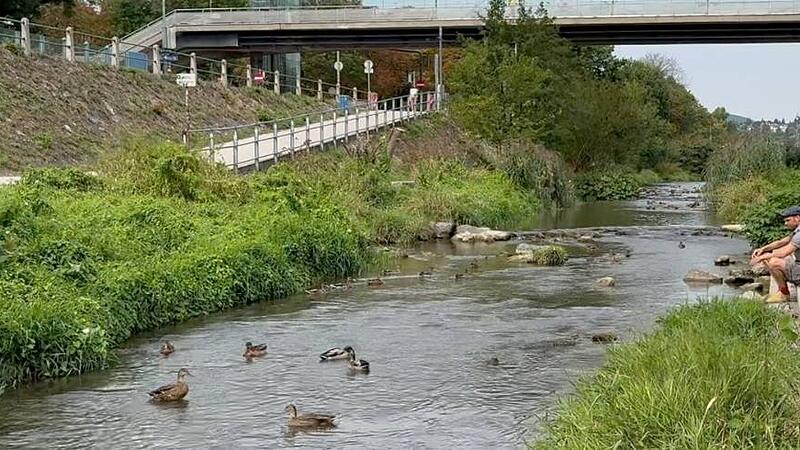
(252, 351)
(309, 420)
(167, 348)
(172, 392)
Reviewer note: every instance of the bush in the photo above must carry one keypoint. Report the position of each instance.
(549, 255)
(720, 374)
(647, 177)
(612, 184)
(60, 178)
(745, 157)
(761, 219)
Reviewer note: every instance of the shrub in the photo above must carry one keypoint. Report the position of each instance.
(60, 178)
(761, 219)
(549, 255)
(720, 374)
(647, 177)
(612, 184)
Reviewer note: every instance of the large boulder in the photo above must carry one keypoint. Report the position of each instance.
(468, 233)
(701, 276)
(740, 277)
(443, 230)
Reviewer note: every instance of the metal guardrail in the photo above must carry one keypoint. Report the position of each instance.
(79, 46)
(259, 144)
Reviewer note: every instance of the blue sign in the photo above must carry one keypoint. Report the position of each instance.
(344, 101)
(169, 57)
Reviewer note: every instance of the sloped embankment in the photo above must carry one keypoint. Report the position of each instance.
(54, 113)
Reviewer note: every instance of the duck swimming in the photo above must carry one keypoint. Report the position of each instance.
(356, 364)
(167, 348)
(254, 350)
(309, 420)
(172, 392)
(335, 353)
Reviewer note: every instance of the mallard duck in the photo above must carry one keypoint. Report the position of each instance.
(681, 244)
(375, 282)
(356, 364)
(167, 348)
(172, 392)
(309, 420)
(335, 353)
(459, 276)
(254, 350)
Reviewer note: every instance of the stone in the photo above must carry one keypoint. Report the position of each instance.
(756, 287)
(752, 295)
(586, 238)
(739, 277)
(606, 281)
(701, 276)
(603, 338)
(443, 230)
(723, 260)
(734, 228)
(468, 233)
(760, 270)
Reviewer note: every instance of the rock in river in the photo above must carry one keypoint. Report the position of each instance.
(723, 260)
(606, 281)
(700, 276)
(603, 338)
(467, 233)
(443, 230)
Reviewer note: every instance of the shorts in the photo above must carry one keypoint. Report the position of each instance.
(792, 270)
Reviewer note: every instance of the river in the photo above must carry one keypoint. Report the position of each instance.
(427, 339)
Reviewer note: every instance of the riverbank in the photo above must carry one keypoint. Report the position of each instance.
(719, 374)
(160, 236)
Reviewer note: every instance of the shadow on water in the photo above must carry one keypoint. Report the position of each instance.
(428, 339)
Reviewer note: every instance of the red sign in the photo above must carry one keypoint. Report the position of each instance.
(259, 76)
(420, 84)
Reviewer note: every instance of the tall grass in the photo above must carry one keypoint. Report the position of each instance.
(744, 156)
(719, 374)
(161, 236)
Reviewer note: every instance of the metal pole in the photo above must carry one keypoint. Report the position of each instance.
(440, 83)
(164, 23)
(256, 148)
(358, 122)
(338, 79)
(235, 150)
(334, 128)
(321, 130)
(291, 138)
(275, 142)
(308, 134)
(211, 144)
(346, 125)
(186, 101)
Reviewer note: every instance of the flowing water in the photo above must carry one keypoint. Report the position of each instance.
(428, 340)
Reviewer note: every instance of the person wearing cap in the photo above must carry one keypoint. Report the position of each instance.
(777, 256)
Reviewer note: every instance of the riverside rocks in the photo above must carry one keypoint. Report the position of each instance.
(723, 260)
(701, 276)
(468, 233)
(443, 230)
(734, 228)
(739, 277)
(606, 281)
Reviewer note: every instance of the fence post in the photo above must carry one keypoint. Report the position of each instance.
(223, 73)
(25, 35)
(335, 123)
(308, 134)
(211, 144)
(275, 142)
(193, 63)
(256, 147)
(355, 93)
(249, 75)
(235, 150)
(69, 50)
(322, 131)
(346, 125)
(319, 89)
(277, 86)
(358, 122)
(156, 60)
(291, 137)
(86, 50)
(115, 52)
(298, 89)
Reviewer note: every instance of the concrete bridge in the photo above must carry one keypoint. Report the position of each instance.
(415, 24)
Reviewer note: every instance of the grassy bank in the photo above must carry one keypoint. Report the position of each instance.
(161, 236)
(721, 374)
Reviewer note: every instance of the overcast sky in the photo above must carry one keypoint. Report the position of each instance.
(760, 81)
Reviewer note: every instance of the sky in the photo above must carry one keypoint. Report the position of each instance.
(759, 81)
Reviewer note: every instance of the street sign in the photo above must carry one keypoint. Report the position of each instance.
(186, 80)
(420, 84)
(259, 76)
(368, 66)
(338, 65)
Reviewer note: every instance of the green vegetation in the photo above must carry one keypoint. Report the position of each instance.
(524, 84)
(160, 236)
(720, 374)
(549, 255)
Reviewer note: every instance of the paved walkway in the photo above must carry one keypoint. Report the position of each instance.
(244, 153)
(8, 180)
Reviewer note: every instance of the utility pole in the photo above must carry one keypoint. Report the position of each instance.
(164, 24)
(440, 72)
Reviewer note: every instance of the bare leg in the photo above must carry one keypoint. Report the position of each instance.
(777, 268)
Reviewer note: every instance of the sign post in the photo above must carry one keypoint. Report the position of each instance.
(368, 69)
(338, 67)
(186, 80)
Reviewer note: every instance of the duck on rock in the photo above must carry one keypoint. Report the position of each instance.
(172, 392)
(252, 351)
(309, 420)
(356, 364)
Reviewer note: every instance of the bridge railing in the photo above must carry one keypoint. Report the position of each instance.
(256, 145)
(78, 46)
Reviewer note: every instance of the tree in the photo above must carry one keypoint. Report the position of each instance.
(17, 9)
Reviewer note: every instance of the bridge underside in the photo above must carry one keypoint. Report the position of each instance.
(322, 38)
